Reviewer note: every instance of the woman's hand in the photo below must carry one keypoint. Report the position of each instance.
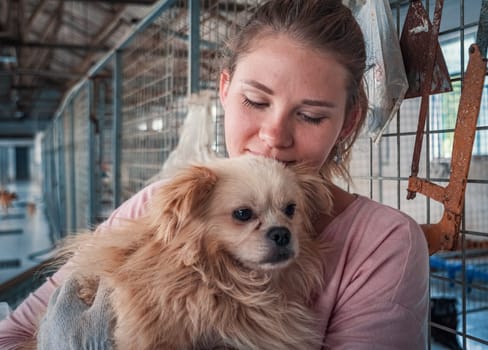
(71, 324)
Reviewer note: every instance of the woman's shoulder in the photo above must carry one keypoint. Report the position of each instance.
(371, 238)
(136, 205)
(371, 212)
(366, 222)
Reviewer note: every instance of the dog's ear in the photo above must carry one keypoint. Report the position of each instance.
(318, 200)
(182, 199)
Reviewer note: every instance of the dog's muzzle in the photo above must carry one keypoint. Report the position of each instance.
(281, 248)
(280, 235)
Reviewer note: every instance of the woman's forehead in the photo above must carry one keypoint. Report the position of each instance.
(278, 62)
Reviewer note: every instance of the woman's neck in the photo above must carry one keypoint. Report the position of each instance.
(341, 200)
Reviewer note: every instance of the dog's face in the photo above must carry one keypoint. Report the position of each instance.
(255, 209)
(256, 213)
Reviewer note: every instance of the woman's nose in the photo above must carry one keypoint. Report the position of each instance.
(276, 132)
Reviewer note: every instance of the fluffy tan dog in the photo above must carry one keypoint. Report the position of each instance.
(226, 258)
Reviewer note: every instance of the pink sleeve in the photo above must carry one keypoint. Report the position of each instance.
(378, 295)
(134, 207)
(21, 323)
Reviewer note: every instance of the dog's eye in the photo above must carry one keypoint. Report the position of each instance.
(290, 210)
(242, 214)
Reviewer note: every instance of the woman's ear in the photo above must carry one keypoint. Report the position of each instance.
(224, 85)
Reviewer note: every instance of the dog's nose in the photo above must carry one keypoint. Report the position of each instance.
(280, 235)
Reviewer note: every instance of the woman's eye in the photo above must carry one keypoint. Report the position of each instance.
(290, 210)
(253, 104)
(309, 119)
(242, 214)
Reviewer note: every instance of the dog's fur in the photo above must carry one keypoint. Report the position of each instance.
(6, 199)
(190, 275)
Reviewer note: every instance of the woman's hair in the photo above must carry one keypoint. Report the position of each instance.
(324, 25)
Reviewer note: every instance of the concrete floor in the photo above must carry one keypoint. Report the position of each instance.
(24, 239)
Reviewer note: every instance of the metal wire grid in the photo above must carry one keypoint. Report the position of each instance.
(381, 171)
(3, 166)
(102, 101)
(81, 147)
(153, 93)
(219, 21)
(154, 77)
(56, 195)
(69, 150)
(66, 118)
(374, 168)
(48, 172)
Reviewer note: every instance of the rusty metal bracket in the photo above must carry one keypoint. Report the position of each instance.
(426, 88)
(444, 234)
(422, 55)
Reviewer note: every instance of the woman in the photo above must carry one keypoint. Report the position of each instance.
(292, 89)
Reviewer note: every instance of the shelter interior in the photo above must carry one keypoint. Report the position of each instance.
(93, 98)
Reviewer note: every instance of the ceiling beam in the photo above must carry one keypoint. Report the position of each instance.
(132, 2)
(78, 22)
(4, 16)
(11, 18)
(20, 19)
(38, 9)
(47, 73)
(16, 128)
(51, 45)
(45, 56)
(36, 87)
(50, 30)
(101, 36)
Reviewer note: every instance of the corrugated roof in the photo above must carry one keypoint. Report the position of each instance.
(47, 45)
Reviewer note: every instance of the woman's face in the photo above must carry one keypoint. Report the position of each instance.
(284, 101)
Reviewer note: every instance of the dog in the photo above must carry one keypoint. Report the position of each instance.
(226, 258)
(6, 199)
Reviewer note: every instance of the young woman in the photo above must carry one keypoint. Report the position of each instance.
(292, 89)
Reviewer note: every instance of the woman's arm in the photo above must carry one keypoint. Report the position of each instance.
(22, 323)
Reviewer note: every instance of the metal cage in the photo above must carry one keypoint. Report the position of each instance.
(116, 128)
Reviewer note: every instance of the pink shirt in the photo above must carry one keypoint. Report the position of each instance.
(377, 293)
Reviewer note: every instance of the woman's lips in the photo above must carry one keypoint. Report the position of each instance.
(286, 162)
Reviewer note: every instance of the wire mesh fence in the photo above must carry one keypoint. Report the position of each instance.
(116, 129)
(154, 87)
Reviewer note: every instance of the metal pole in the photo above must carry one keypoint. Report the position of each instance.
(194, 47)
(73, 225)
(91, 155)
(117, 127)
